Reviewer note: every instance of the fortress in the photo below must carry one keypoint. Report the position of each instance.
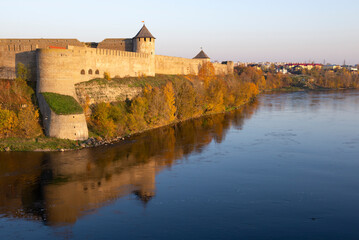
(58, 64)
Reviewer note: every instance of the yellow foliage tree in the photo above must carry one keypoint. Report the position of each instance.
(136, 118)
(170, 107)
(28, 118)
(206, 73)
(215, 96)
(101, 121)
(185, 100)
(8, 122)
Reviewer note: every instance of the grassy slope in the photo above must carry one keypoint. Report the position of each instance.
(62, 104)
(41, 143)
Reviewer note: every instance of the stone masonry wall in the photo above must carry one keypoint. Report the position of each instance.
(72, 126)
(60, 69)
(89, 63)
(185, 66)
(177, 65)
(9, 48)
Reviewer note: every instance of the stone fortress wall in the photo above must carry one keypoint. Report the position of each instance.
(58, 64)
(11, 48)
(59, 69)
(185, 66)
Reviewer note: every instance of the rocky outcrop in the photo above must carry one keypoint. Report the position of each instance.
(97, 92)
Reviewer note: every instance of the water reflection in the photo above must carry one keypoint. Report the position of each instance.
(310, 101)
(59, 188)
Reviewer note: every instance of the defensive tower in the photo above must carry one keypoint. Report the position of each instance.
(202, 55)
(144, 41)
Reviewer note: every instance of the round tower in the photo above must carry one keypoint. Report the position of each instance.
(144, 42)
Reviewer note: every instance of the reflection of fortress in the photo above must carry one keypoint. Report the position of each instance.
(77, 193)
(58, 64)
(60, 187)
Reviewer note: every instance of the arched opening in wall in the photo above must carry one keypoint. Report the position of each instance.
(97, 72)
(82, 72)
(150, 39)
(90, 71)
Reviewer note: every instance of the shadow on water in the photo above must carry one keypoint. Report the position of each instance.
(58, 188)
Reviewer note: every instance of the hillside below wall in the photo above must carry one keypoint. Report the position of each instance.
(96, 92)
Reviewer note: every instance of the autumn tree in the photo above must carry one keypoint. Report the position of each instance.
(136, 117)
(185, 100)
(206, 73)
(169, 98)
(8, 123)
(102, 123)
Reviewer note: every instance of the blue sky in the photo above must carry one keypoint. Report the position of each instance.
(295, 31)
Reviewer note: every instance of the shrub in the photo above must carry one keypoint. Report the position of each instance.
(106, 76)
(8, 123)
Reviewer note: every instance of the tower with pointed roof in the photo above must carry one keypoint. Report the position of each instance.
(201, 55)
(144, 41)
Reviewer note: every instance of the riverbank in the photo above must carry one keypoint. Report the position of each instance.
(48, 144)
(38, 144)
(157, 102)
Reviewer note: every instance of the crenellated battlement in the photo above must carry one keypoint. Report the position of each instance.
(19, 48)
(106, 52)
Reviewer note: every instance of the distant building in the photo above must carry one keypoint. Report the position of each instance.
(308, 66)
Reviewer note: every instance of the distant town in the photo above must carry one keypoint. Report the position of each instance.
(296, 68)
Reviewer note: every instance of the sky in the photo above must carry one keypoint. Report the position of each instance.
(245, 31)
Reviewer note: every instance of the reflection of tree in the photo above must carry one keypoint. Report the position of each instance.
(61, 187)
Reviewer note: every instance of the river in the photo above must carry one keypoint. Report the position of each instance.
(283, 167)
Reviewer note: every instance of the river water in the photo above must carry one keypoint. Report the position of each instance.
(283, 167)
